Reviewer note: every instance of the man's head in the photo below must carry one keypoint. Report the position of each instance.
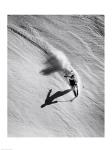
(72, 76)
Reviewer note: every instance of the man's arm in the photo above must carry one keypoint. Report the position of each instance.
(66, 76)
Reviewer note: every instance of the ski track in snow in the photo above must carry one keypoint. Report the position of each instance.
(34, 42)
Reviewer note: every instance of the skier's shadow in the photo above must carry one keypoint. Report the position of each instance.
(49, 99)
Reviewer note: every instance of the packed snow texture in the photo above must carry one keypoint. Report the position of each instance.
(40, 49)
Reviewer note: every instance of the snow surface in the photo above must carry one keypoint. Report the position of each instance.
(33, 42)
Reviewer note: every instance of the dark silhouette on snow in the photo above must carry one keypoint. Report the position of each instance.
(49, 99)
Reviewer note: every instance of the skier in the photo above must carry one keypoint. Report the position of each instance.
(73, 83)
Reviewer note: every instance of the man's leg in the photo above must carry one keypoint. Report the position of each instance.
(75, 91)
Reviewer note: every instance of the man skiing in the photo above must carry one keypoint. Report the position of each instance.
(73, 83)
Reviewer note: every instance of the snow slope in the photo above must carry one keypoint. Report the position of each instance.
(33, 70)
